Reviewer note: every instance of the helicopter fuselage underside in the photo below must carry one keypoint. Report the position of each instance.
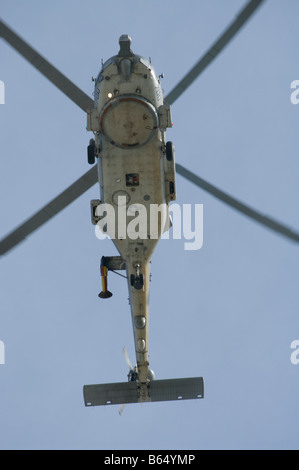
(134, 174)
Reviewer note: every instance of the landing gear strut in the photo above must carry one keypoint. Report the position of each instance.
(105, 294)
(109, 263)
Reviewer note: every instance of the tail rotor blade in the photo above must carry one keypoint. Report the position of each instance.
(125, 352)
(121, 409)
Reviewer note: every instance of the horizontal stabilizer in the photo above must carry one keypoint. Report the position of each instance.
(157, 390)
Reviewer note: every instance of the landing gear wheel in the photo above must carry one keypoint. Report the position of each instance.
(169, 151)
(91, 152)
(137, 281)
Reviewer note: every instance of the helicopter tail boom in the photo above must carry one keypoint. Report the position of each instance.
(132, 392)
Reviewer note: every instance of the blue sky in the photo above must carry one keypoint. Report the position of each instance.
(227, 312)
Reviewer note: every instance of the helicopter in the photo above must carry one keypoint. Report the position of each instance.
(127, 86)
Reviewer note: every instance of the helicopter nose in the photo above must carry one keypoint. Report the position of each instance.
(125, 43)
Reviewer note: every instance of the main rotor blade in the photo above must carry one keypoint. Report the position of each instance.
(210, 55)
(48, 70)
(239, 206)
(47, 212)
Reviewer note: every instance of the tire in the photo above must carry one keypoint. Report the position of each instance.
(169, 151)
(91, 154)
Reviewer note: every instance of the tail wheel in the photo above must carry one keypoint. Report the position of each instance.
(137, 281)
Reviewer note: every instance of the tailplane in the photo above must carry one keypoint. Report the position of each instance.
(133, 392)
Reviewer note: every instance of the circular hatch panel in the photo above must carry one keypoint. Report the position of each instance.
(128, 121)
